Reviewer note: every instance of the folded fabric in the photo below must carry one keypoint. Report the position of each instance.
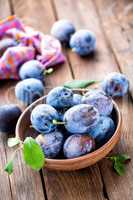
(6, 43)
(50, 51)
(8, 23)
(19, 44)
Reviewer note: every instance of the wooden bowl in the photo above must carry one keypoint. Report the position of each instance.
(23, 129)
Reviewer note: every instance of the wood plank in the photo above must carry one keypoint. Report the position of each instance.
(97, 67)
(5, 9)
(4, 179)
(57, 182)
(79, 185)
(116, 18)
(5, 190)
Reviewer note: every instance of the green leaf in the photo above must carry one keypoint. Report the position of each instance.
(119, 163)
(9, 167)
(13, 142)
(119, 168)
(33, 154)
(123, 158)
(79, 84)
(120, 157)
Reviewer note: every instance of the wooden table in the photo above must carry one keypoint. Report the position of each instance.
(112, 21)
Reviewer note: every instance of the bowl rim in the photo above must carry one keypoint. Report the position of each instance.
(83, 157)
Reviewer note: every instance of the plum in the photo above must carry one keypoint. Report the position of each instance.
(42, 117)
(103, 130)
(78, 145)
(51, 143)
(79, 118)
(83, 42)
(99, 100)
(9, 115)
(60, 97)
(62, 30)
(115, 84)
(29, 90)
(32, 69)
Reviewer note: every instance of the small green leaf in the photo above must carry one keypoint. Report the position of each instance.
(33, 154)
(120, 157)
(9, 167)
(13, 142)
(119, 168)
(119, 163)
(79, 84)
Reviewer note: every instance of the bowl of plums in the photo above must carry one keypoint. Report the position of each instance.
(74, 128)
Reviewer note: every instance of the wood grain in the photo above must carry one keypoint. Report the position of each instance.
(5, 190)
(117, 20)
(4, 9)
(84, 184)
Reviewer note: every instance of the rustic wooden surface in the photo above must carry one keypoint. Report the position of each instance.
(112, 21)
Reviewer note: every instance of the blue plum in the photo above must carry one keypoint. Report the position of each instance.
(100, 100)
(78, 145)
(83, 42)
(77, 99)
(9, 115)
(79, 118)
(60, 97)
(115, 84)
(32, 69)
(29, 90)
(42, 117)
(103, 130)
(51, 143)
(62, 30)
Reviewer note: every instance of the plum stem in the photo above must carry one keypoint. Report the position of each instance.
(55, 122)
(48, 71)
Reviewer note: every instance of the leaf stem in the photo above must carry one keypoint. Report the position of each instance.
(9, 166)
(48, 71)
(14, 153)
